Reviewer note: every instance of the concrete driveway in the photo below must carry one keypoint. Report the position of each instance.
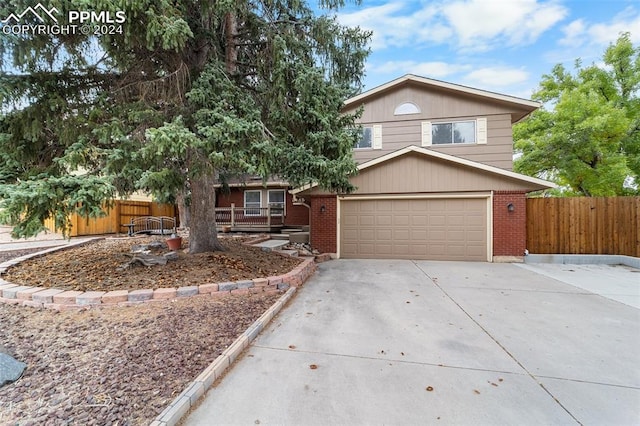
(403, 342)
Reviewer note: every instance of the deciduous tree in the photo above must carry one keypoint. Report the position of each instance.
(587, 136)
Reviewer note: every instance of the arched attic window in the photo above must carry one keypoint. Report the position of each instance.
(407, 108)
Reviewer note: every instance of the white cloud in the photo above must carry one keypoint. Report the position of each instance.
(468, 24)
(627, 21)
(424, 69)
(574, 33)
(496, 77)
(582, 34)
(483, 24)
(395, 24)
(502, 79)
(588, 40)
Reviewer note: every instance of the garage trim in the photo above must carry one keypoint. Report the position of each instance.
(453, 195)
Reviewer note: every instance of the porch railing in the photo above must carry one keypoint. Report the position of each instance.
(249, 216)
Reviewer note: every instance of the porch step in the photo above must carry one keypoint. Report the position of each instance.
(290, 230)
(299, 237)
(272, 244)
(280, 237)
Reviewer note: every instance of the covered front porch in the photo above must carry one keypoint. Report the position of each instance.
(249, 219)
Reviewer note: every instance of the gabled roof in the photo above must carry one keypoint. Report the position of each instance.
(524, 104)
(538, 183)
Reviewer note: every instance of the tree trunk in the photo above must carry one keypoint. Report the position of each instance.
(203, 235)
(183, 210)
(231, 30)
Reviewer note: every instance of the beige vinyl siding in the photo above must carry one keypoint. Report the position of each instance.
(498, 151)
(415, 174)
(434, 103)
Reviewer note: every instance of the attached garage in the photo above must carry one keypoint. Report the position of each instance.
(415, 227)
(420, 204)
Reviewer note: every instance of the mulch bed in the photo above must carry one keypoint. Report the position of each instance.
(99, 267)
(123, 365)
(115, 365)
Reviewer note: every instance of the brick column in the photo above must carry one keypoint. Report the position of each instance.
(509, 227)
(324, 222)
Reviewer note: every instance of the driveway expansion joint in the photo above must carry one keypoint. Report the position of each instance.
(395, 360)
(531, 375)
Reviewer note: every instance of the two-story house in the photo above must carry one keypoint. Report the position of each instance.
(435, 177)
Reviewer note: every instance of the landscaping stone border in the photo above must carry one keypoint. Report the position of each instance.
(189, 397)
(51, 298)
(40, 297)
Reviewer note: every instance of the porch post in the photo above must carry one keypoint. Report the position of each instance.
(269, 216)
(233, 214)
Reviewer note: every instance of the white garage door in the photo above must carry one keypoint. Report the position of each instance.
(431, 229)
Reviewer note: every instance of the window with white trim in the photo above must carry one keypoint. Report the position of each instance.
(454, 132)
(276, 198)
(366, 138)
(371, 137)
(252, 203)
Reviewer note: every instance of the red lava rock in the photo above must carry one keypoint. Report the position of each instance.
(100, 354)
(96, 267)
(96, 354)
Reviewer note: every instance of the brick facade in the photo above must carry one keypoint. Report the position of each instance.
(295, 215)
(324, 223)
(509, 228)
(235, 196)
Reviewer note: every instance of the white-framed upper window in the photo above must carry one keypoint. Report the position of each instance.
(454, 132)
(276, 198)
(407, 108)
(252, 203)
(366, 138)
(370, 137)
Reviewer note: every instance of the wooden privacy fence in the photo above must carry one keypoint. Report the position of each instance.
(584, 225)
(120, 213)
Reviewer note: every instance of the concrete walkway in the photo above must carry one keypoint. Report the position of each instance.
(42, 240)
(402, 342)
(616, 282)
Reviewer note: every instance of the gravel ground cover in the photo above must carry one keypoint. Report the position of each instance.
(122, 365)
(99, 266)
(115, 366)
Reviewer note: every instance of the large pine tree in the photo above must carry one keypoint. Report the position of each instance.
(185, 94)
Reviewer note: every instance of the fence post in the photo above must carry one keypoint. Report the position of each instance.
(118, 214)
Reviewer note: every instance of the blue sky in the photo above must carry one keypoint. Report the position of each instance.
(498, 45)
